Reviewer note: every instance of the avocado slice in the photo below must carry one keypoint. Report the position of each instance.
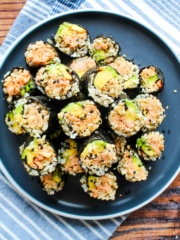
(67, 28)
(132, 82)
(141, 143)
(57, 175)
(75, 108)
(98, 146)
(71, 150)
(104, 74)
(99, 55)
(152, 80)
(133, 111)
(14, 123)
(59, 69)
(27, 88)
(136, 160)
(29, 152)
(91, 184)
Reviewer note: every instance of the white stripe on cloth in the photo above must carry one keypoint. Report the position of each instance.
(167, 13)
(41, 4)
(108, 233)
(38, 8)
(25, 217)
(33, 12)
(156, 18)
(92, 229)
(80, 237)
(8, 231)
(16, 220)
(116, 222)
(49, 220)
(29, 15)
(2, 237)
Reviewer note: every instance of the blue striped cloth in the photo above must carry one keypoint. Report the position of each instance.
(164, 18)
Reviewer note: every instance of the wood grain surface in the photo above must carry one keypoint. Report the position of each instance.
(160, 219)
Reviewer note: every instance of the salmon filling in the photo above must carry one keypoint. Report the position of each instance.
(81, 65)
(15, 82)
(40, 53)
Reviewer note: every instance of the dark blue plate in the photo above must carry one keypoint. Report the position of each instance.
(146, 48)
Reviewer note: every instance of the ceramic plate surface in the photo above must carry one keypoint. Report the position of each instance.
(145, 47)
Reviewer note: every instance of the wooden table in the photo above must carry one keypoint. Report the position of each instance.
(160, 219)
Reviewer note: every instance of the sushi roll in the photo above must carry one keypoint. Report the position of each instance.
(32, 115)
(38, 156)
(82, 65)
(151, 80)
(150, 145)
(104, 85)
(97, 155)
(72, 39)
(40, 53)
(104, 49)
(100, 187)
(128, 70)
(152, 110)
(69, 158)
(125, 118)
(57, 81)
(131, 166)
(17, 83)
(80, 119)
(12, 120)
(53, 182)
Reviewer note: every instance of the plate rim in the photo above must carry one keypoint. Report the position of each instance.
(17, 187)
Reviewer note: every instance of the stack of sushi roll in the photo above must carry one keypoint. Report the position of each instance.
(74, 104)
